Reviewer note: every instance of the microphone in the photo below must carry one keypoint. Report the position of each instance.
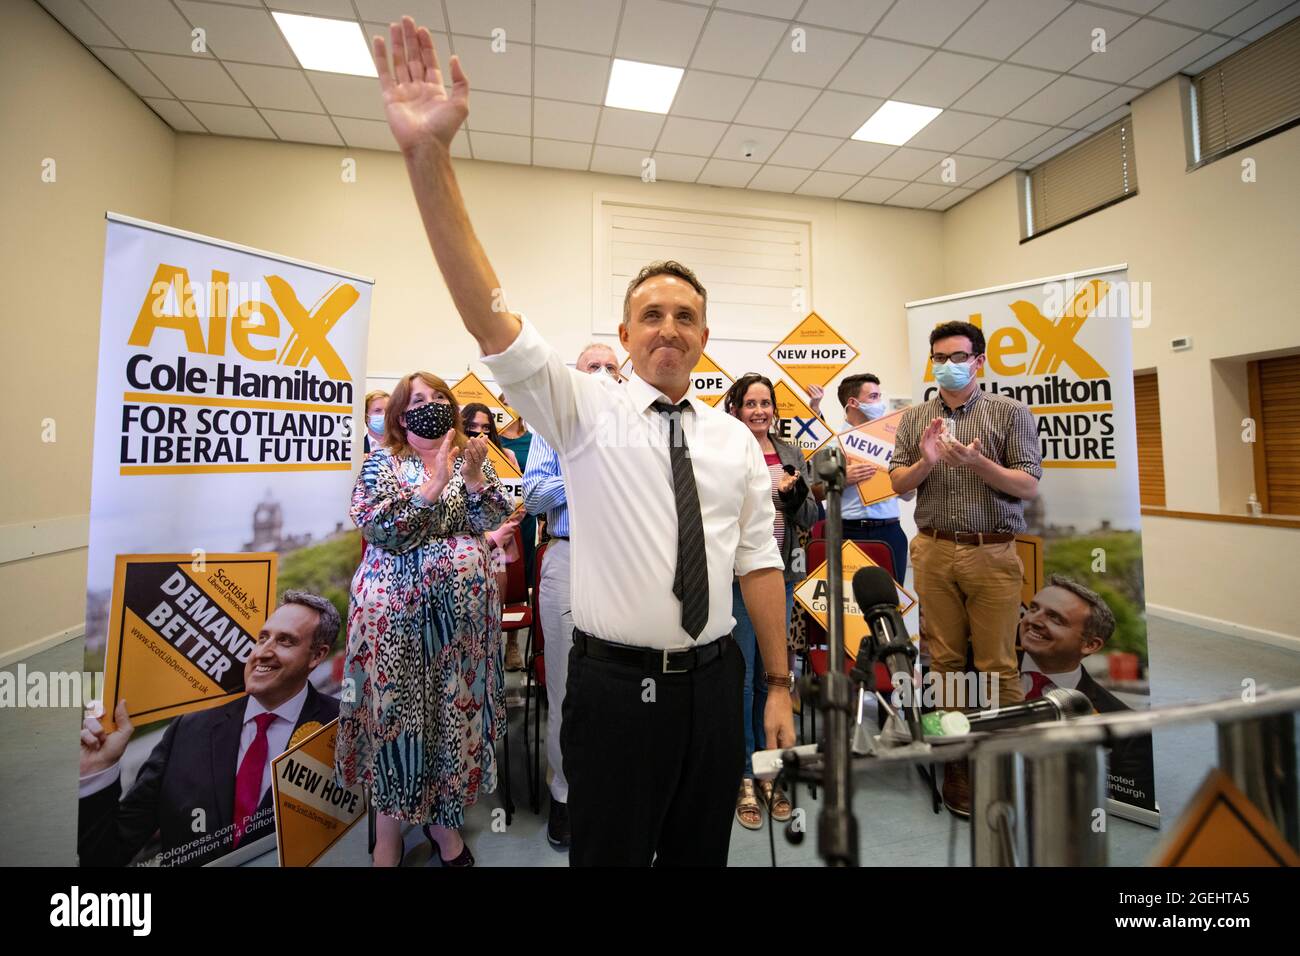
(1057, 703)
(877, 600)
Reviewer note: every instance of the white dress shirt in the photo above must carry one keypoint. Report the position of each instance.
(277, 741)
(614, 454)
(1067, 681)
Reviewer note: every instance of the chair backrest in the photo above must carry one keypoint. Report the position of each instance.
(516, 584)
(819, 529)
(535, 640)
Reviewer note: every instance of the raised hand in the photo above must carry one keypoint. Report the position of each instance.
(815, 395)
(420, 109)
(440, 465)
(474, 455)
(932, 445)
(100, 749)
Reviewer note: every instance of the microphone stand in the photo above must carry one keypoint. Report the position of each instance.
(837, 829)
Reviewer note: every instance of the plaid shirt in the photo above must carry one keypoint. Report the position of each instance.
(956, 499)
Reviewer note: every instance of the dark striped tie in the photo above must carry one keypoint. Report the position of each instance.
(691, 582)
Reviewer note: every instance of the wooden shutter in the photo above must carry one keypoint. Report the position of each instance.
(1085, 177)
(1151, 451)
(1275, 406)
(1245, 95)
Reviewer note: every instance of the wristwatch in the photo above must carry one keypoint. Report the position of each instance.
(780, 680)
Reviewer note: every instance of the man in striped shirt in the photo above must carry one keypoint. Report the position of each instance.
(544, 493)
(974, 459)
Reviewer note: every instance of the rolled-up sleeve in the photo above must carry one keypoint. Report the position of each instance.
(542, 388)
(1023, 451)
(757, 547)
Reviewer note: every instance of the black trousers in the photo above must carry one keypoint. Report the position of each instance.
(653, 761)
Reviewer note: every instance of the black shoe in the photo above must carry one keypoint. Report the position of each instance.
(464, 858)
(557, 828)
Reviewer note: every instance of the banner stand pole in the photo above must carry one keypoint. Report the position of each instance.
(1259, 754)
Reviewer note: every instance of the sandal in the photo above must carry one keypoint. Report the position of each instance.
(777, 803)
(748, 810)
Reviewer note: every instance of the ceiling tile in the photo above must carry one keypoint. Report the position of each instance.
(131, 71)
(342, 95)
(82, 24)
(857, 158)
(838, 114)
(506, 72)
(1198, 13)
(805, 150)
(1003, 137)
(942, 79)
(778, 105)
(682, 169)
(907, 163)
(1247, 18)
(925, 21)
(1177, 61)
(710, 96)
(240, 33)
(784, 9)
(917, 195)
(1112, 117)
(191, 78)
(778, 179)
(1119, 97)
(275, 87)
(617, 160)
(964, 168)
(874, 190)
(879, 67)
(1004, 89)
(858, 16)
(950, 198)
(821, 58)
(764, 142)
(1000, 26)
(499, 148)
(631, 128)
(231, 120)
(1265, 27)
(727, 172)
(1061, 99)
(555, 119)
(654, 31)
(1078, 136)
(500, 113)
(830, 185)
(990, 175)
(552, 152)
(737, 44)
(562, 75)
(1133, 51)
(480, 17)
(1135, 6)
(152, 25)
(1068, 39)
(340, 9)
(691, 136)
(427, 13)
(367, 134)
(950, 130)
(303, 127)
(587, 25)
(1037, 145)
(175, 114)
(1228, 48)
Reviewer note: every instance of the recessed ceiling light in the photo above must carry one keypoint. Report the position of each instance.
(895, 123)
(331, 46)
(642, 86)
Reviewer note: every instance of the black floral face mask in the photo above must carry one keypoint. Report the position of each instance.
(431, 420)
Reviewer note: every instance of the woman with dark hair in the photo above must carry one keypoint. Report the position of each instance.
(479, 421)
(424, 696)
(752, 399)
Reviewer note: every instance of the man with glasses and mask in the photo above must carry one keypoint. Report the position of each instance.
(973, 459)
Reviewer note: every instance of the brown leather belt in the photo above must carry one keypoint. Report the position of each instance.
(970, 537)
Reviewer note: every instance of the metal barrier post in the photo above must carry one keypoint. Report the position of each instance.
(1259, 754)
(1067, 799)
(998, 832)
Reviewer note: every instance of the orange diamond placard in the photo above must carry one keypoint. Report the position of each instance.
(510, 476)
(813, 353)
(872, 443)
(797, 423)
(312, 812)
(471, 389)
(813, 594)
(709, 383)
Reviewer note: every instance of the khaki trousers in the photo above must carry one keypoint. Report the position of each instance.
(970, 594)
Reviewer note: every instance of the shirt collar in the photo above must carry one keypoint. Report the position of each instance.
(643, 394)
(290, 710)
(966, 406)
(1069, 680)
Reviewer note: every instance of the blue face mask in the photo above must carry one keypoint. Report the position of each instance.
(873, 410)
(953, 377)
(376, 423)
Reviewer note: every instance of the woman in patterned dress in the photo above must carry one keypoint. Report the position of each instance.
(423, 691)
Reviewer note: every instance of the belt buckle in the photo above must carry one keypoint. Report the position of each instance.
(668, 670)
